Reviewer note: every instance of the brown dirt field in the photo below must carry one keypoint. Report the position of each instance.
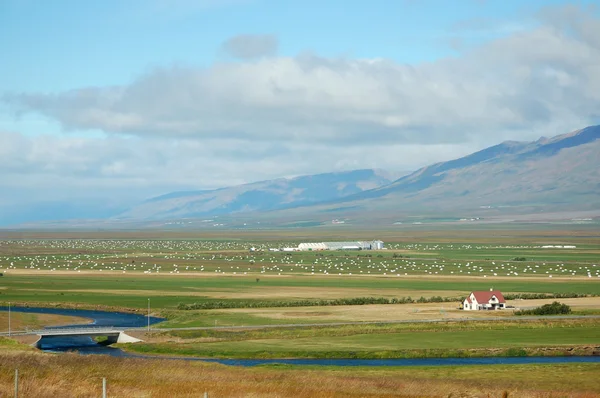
(369, 313)
(22, 320)
(582, 303)
(402, 312)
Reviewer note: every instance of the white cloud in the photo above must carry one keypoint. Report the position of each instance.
(244, 121)
(528, 81)
(54, 167)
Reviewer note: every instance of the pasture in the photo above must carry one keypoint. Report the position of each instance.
(241, 270)
(205, 257)
(183, 273)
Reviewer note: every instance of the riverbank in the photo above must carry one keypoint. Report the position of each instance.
(71, 375)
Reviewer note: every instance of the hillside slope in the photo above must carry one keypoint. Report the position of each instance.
(563, 172)
(259, 196)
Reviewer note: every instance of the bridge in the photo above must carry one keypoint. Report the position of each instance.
(113, 335)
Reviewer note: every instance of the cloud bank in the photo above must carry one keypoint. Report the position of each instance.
(266, 116)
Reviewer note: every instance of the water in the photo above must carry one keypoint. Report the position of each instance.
(87, 346)
(407, 362)
(82, 344)
(99, 318)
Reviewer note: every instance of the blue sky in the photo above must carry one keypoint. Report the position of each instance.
(144, 87)
(66, 44)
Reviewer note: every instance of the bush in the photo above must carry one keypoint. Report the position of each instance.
(535, 296)
(555, 308)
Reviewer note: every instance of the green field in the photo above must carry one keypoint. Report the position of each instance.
(382, 341)
(184, 274)
(210, 257)
(132, 291)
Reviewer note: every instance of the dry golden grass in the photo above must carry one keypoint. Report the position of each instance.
(71, 375)
(375, 313)
(581, 303)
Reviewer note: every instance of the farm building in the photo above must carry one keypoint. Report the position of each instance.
(354, 245)
(484, 300)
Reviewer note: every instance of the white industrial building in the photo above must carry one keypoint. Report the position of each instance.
(352, 245)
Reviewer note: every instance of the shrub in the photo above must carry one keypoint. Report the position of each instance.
(535, 296)
(555, 308)
(209, 305)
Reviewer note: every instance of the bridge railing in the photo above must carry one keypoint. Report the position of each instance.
(64, 331)
(82, 330)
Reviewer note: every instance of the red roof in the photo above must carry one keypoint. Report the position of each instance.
(484, 296)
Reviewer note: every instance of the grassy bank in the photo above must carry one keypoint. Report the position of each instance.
(71, 375)
(553, 337)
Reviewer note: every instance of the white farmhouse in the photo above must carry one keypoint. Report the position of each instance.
(484, 300)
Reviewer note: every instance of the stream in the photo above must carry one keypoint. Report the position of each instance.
(87, 346)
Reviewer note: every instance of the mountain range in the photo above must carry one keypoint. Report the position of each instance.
(548, 175)
(561, 172)
(261, 196)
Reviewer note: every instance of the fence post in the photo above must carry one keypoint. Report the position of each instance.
(205, 394)
(104, 387)
(16, 383)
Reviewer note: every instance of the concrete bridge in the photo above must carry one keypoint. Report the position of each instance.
(112, 334)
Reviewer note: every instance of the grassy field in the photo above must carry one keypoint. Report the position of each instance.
(378, 341)
(122, 270)
(98, 272)
(564, 254)
(167, 291)
(355, 313)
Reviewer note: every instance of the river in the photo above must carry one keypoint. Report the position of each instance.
(87, 346)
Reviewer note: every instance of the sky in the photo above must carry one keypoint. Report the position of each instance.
(108, 103)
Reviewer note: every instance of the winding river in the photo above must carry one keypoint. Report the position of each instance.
(86, 346)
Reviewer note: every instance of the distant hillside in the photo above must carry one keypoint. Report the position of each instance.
(260, 196)
(559, 175)
(562, 172)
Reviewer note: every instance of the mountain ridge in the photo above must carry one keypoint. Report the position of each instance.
(264, 195)
(508, 158)
(552, 174)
